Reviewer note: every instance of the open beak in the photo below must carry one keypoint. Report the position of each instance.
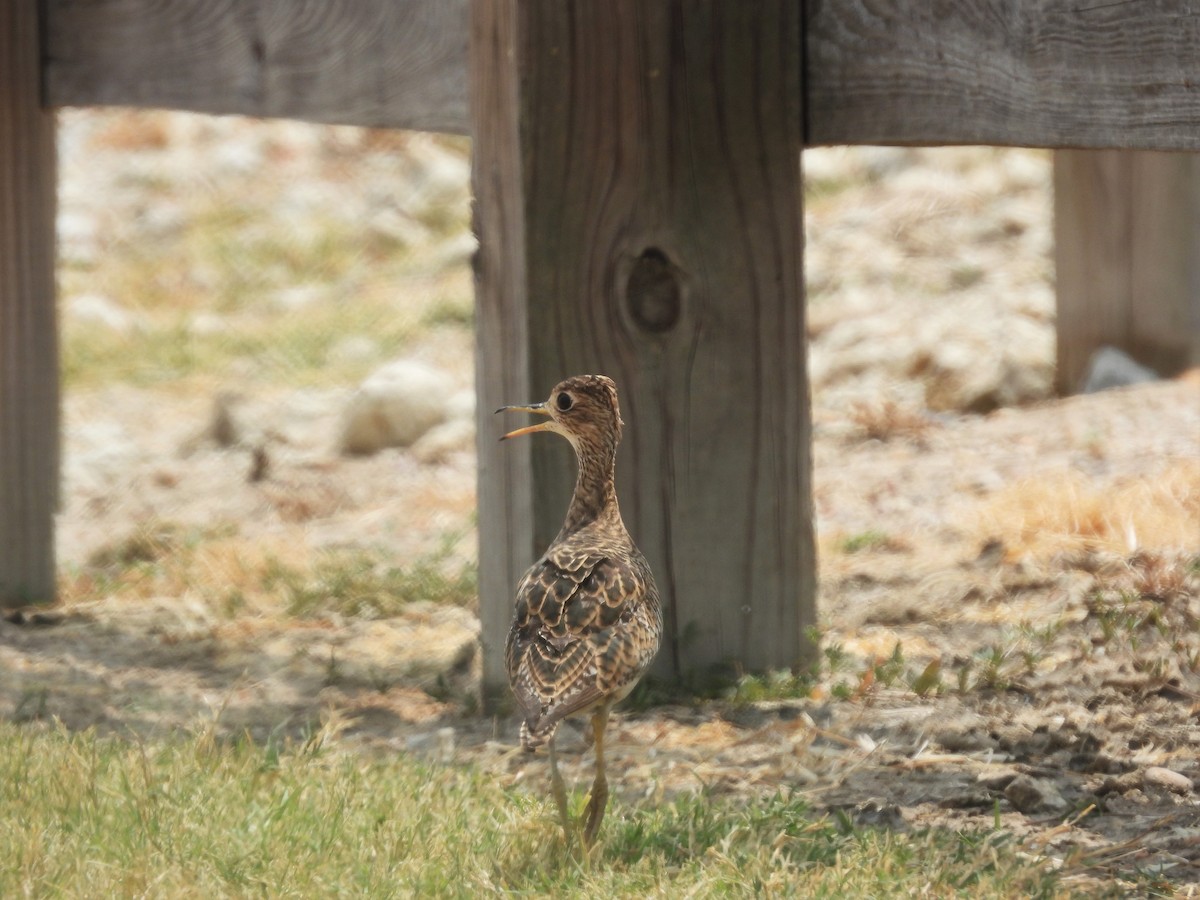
(539, 409)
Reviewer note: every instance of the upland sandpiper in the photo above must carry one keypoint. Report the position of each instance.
(588, 618)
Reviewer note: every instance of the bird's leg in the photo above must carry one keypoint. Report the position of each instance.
(560, 791)
(599, 798)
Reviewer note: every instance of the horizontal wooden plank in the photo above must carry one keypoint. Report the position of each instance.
(386, 63)
(1052, 73)
(1048, 73)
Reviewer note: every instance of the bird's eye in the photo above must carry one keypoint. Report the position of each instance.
(564, 401)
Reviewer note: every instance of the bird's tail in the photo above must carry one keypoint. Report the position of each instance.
(535, 735)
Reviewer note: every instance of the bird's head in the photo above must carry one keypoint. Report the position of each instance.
(583, 409)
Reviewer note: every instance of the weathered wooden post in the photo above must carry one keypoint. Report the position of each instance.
(638, 204)
(28, 336)
(1127, 249)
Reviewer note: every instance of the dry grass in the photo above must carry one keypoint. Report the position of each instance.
(887, 420)
(133, 130)
(1061, 513)
(1161, 578)
(227, 574)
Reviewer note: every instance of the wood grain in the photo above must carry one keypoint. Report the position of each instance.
(1052, 73)
(502, 373)
(29, 413)
(386, 63)
(1041, 73)
(648, 154)
(1127, 251)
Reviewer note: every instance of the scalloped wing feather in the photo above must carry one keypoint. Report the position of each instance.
(587, 625)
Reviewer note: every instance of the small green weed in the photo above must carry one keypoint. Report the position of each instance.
(357, 583)
(868, 540)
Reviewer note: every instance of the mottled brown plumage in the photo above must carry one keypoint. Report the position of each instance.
(588, 620)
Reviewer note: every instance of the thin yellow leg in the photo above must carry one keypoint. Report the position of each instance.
(560, 791)
(599, 799)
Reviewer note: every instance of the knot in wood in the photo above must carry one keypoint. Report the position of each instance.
(653, 291)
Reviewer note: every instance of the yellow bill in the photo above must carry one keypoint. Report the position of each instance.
(538, 408)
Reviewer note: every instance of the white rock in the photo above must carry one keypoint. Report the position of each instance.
(1113, 368)
(238, 155)
(394, 406)
(439, 175)
(1025, 169)
(353, 348)
(1175, 782)
(298, 296)
(162, 220)
(462, 406)
(827, 165)
(456, 250)
(96, 309)
(442, 441)
(205, 323)
(399, 227)
(78, 236)
(97, 455)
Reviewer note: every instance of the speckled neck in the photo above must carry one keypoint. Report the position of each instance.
(595, 497)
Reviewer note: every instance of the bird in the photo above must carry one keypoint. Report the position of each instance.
(588, 619)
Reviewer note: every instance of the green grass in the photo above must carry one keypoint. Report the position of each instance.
(268, 346)
(229, 574)
(192, 816)
(867, 540)
(357, 583)
(234, 261)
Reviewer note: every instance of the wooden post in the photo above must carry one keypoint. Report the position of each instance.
(1127, 247)
(28, 338)
(638, 204)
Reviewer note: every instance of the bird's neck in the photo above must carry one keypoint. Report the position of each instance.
(595, 497)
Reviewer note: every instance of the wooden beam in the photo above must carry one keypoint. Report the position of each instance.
(387, 63)
(638, 202)
(28, 337)
(1038, 73)
(1050, 73)
(1127, 249)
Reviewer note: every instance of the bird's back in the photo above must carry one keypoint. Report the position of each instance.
(588, 622)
